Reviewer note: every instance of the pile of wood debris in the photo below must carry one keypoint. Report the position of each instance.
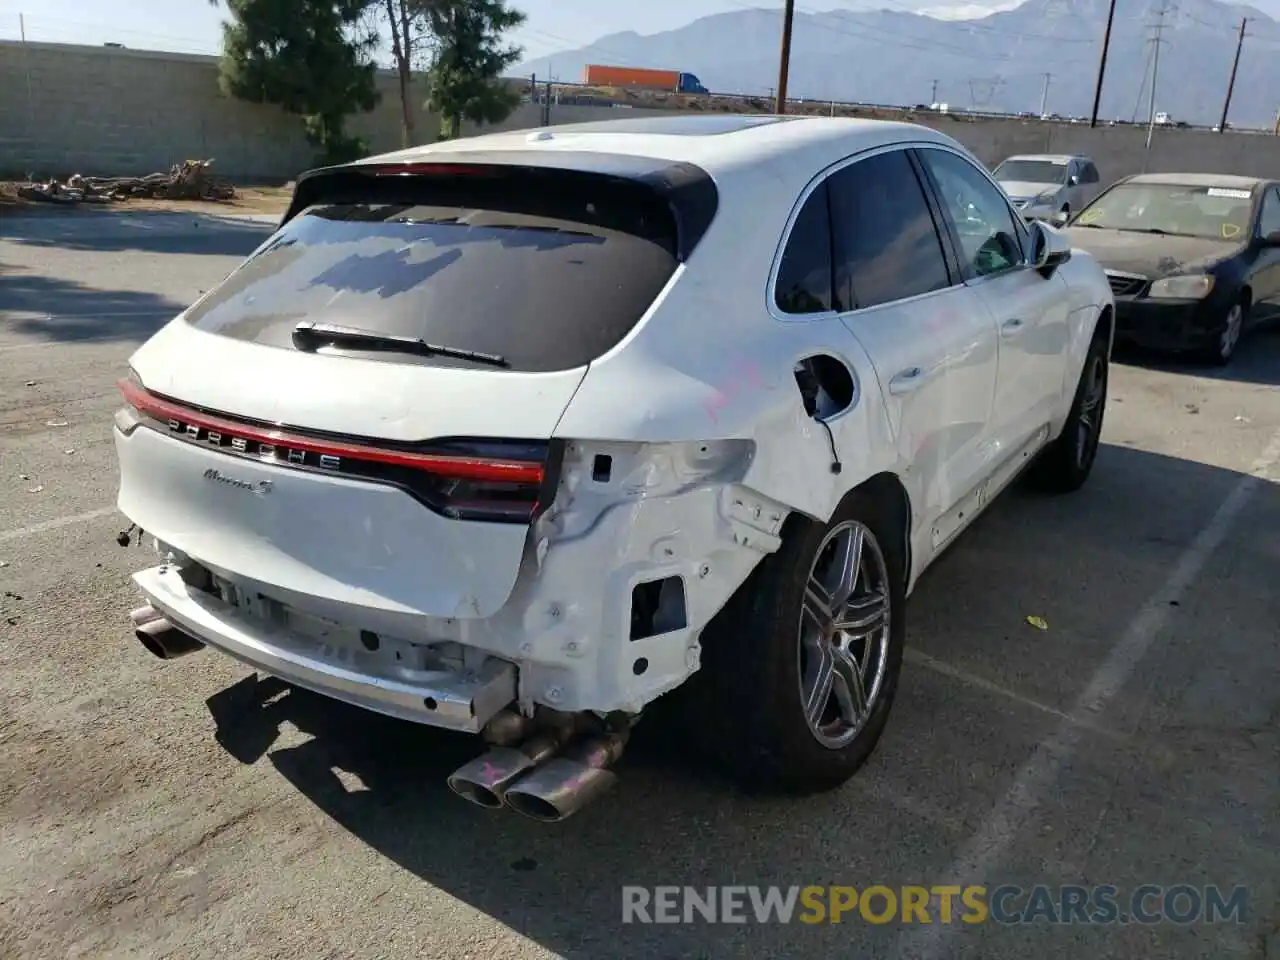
(184, 181)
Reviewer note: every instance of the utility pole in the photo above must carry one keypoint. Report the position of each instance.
(1102, 64)
(1044, 97)
(784, 57)
(1231, 84)
(933, 97)
(1158, 40)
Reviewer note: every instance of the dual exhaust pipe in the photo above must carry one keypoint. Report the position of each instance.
(161, 637)
(548, 776)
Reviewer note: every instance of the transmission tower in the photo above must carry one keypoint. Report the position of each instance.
(991, 85)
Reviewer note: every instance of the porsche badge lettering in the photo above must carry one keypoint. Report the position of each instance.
(247, 446)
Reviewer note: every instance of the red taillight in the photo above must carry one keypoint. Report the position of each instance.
(430, 169)
(481, 469)
(498, 481)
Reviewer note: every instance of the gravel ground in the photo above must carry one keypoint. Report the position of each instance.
(187, 809)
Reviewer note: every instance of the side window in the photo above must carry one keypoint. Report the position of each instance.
(886, 243)
(1269, 218)
(1090, 173)
(983, 220)
(804, 275)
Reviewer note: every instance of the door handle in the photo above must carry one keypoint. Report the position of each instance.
(1011, 327)
(907, 380)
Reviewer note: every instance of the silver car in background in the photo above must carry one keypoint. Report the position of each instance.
(1048, 186)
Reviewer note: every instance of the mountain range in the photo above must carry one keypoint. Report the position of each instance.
(995, 63)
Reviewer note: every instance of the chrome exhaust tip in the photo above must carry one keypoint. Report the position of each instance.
(165, 641)
(567, 783)
(144, 615)
(484, 780)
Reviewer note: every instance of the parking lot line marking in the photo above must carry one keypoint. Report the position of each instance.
(1001, 828)
(982, 683)
(47, 525)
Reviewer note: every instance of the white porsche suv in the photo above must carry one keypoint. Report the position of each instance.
(516, 434)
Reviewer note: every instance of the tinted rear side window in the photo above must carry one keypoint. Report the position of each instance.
(886, 245)
(548, 282)
(804, 275)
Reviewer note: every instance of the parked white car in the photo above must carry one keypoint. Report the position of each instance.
(514, 435)
(1049, 186)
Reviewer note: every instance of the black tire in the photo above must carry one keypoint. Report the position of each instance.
(1221, 352)
(743, 708)
(1065, 465)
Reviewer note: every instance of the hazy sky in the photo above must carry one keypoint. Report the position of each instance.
(191, 26)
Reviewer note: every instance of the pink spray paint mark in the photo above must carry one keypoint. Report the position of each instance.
(743, 376)
(491, 773)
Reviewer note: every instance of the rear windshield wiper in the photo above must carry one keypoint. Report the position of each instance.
(309, 335)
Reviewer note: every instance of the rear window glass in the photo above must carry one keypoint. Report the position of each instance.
(545, 282)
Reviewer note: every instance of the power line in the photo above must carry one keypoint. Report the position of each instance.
(1157, 42)
(1102, 64)
(1231, 84)
(784, 58)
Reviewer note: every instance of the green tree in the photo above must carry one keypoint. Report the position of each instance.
(470, 59)
(410, 31)
(313, 58)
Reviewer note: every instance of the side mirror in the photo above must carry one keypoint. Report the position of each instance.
(1073, 181)
(1049, 249)
(1059, 219)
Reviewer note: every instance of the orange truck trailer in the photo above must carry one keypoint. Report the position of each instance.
(673, 80)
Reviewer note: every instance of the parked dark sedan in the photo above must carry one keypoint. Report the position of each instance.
(1193, 259)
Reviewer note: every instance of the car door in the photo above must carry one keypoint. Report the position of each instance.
(1071, 192)
(1031, 312)
(1267, 270)
(930, 338)
(1090, 184)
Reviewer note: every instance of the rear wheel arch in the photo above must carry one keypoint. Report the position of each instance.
(1106, 324)
(890, 498)
(890, 495)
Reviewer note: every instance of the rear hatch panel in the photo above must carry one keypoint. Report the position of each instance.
(277, 461)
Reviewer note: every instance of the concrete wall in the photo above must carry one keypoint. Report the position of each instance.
(101, 111)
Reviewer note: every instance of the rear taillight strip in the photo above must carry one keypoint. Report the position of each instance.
(460, 468)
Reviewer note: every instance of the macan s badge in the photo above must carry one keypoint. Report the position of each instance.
(259, 487)
(249, 447)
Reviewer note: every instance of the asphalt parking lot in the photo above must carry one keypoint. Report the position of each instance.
(152, 809)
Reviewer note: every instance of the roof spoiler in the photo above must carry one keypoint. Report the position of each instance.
(688, 190)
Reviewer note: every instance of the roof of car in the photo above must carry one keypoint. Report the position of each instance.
(1228, 180)
(711, 142)
(1050, 157)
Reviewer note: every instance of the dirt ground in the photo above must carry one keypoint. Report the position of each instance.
(247, 200)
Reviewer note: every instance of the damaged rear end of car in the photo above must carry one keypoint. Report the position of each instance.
(350, 457)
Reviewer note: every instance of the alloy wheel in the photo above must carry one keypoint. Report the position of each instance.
(844, 634)
(1089, 431)
(1231, 331)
